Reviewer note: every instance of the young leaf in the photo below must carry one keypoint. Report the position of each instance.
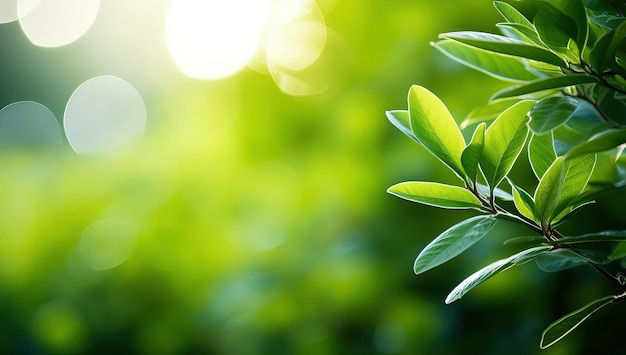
(471, 154)
(499, 66)
(565, 325)
(487, 112)
(523, 201)
(435, 194)
(497, 192)
(433, 126)
(494, 268)
(600, 142)
(604, 236)
(541, 153)
(453, 242)
(400, 119)
(521, 32)
(504, 45)
(560, 185)
(553, 82)
(504, 141)
(551, 112)
(511, 14)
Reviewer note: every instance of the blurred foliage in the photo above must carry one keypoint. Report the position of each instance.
(257, 222)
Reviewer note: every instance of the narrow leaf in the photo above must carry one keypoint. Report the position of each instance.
(511, 14)
(499, 66)
(435, 194)
(600, 142)
(565, 325)
(504, 45)
(433, 126)
(492, 269)
(453, 242)
(497, 192)
(523, 201)
(471, 154)
(504, 140)
(604, 236)
(553, 82)
(400, 119)
(521, 32)
(541, 153)
(551, 112)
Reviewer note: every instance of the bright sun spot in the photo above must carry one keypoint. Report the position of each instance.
(212, 39)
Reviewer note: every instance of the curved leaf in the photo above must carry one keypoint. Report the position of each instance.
(600, 142)
(541, 153)
(433, 126)
(553, 82)
(492, 269)
(521, 32)
(556, 29)
(523, 201)
(435, 194)
(487, 112)
(510, 14)
(566, 324)
(400, 119)
(551, 112)
(504, 141)
(559, 260)
(453, 242)
(604, 236)
(493, 64)
(497, 192)
(471, 154)
(504, 45)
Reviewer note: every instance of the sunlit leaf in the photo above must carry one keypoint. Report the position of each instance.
(600, 142)
(504, 141)
(511, 14)
(492, 269)
(400, 119)
(521, 32)
(499, 66)
(435, 194)
(567, 212)
(453, 242)
(565, 325)
(551, 112)
(553, 82)
(497, 192)
(471, 154)
(534, 240)
(541, 153)
(435, 128)
(504, 45)
(487, 112)
(523, 201)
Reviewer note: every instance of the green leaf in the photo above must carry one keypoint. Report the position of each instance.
(433, 126)
(556, 29)
(604, 236)
(565, 325)
(499, 66)
(551, 112)
(600, 142)
(504, 45)
(504, 141)
(400, 119)
(497, 192)
(521, 32)
(492, 269)
(553, 82)
(559, 259)
(510, 14)
(435, 194)
(453, 242)
(575, 10)
(487, 112)
(560, 185)
(534, 240)
(523, 201)
(541, 153)
(471, 154)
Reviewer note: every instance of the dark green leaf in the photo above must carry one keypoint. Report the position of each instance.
(435, 194)
(471, 154)
(551, 112)
(453, 242)
(504, 45)
(556, 29)
(435, 128)
(600, 142)
(499, 66)
(541, 153)
(553, 82)
(533, 240)
(492, 269)
(565, 325)
(559, 259)
(604, 236)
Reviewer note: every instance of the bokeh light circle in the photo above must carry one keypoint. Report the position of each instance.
(55, 23)
(108, 242)
(104, 115)
(28, 124)
(212, 39)
(8, 11)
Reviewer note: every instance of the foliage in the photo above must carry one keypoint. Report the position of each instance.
(565, 110)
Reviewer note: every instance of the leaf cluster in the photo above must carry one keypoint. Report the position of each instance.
(565, 109)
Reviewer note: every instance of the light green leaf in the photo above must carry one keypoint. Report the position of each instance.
(565, 325)
(504, 141)
(523, 201)
(521, 32)
(553, 82)
(541, 153)
(551, 112)
(560, 185)
(497, 192)
(471, 154)
(453, 242)
(499, 66)
(492, 269)
(600, 142)
(504, 45)
(604, 236)
(435, 194)
(435, 128)
(487, 112)
(510, 14)
(400, 119)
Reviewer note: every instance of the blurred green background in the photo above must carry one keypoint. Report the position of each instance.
(248, 220)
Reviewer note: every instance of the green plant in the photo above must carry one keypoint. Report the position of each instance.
(566, 111)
